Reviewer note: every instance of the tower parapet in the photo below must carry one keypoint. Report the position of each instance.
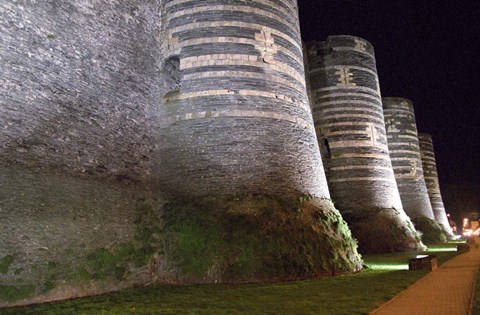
(348, 116)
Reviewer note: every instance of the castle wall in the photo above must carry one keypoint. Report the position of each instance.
(236, 118)
(404, 149)
(348, 115)
(106, 105)
(79, 87)
(79, 91)
(431, 179)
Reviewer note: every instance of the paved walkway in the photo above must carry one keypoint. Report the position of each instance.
(447, 290)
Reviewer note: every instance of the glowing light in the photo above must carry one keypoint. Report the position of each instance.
(443, 249)
(388, 266)
(421, 256)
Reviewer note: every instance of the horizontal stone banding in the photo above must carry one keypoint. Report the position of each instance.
(238, 97)
(350, 96)
(238, 60)
(356, 167)
(286, 4)
(234, 40)
(431, 179)
(264, 94)
(349, 104)
(239, 113)
(241, 74)
(359, 89)
(348, 112)
(355, 144)
(347, 123)
(363, 179)
(247, 26)
(404, 148)
(271, 13)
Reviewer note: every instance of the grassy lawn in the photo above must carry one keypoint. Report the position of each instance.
(359, 293)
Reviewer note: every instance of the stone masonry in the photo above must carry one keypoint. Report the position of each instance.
(348, 115)
(431, 179)
(116, 116)
(79, 93)
(235, 113)
(109, 107)
(406, 159)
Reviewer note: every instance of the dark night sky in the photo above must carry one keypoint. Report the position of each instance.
(427, 51)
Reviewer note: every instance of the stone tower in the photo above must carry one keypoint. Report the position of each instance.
(348, 115)
(431, 179)
(236, 126)
(406, 159)
(235, 116)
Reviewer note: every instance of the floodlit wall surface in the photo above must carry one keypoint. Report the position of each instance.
(431, 179)
(406, 159)
(348, 115)
(108, 106)
(79, 90)
(235, 115)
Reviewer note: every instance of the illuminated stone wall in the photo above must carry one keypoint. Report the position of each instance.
(348, 115)
(237, 117)
(406, 159)
(106, 107)
(79, 90)
(431, 179)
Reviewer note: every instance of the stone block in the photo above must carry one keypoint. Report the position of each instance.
(423, 262)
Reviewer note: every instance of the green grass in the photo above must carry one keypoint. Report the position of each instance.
(5, 263)
(10, 293)
(359, 293)
(399, 261)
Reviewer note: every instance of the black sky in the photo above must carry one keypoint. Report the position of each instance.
(427, 51)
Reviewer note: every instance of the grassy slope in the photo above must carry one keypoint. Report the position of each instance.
(349, 294)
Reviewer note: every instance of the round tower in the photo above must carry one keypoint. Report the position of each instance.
(235, 113)
(431, 179)
(405, 155)
(348, 116)
(236, 123)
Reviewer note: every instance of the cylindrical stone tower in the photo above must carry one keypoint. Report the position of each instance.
(431, 179)
(236, 127)
(405, 155)
(235, 117)
(348, 115)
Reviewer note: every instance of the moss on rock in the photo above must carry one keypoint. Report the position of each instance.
(5, 263)
(384, 231)
(257, 238)
(11, 293)
(432, 231)
(116, 261)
